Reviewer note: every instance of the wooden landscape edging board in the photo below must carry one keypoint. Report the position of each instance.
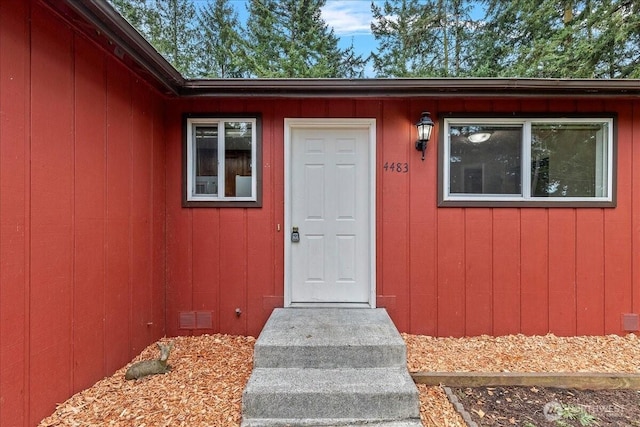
(576, 380)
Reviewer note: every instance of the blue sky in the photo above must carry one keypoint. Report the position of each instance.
(350, 20)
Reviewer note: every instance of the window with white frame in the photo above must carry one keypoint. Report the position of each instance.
(222, 164)
(527, 161)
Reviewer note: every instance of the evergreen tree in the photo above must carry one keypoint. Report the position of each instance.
(422, 39)
(521, 38)
(392, 29)
(134, 11)
(220, 43)
(350, 64)
(173, 33)
(615, 39)
(264, 52)
(169, 25)
(290, 39)
(560, 38)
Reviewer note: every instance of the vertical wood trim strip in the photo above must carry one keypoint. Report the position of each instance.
(14, 209)
(72, 220)
(618, 227)
(635, 206)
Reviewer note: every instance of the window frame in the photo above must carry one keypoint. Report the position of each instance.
(525, 199)
(189, 199)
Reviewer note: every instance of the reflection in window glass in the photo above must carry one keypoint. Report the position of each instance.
(568, 159)
(206, 159)
(222, 159)
(485, 159)
(541, 160)
(237, 161)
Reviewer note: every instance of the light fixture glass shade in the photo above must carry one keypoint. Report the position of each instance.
(479, 137)
(425, 126)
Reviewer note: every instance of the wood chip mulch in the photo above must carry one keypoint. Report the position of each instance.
(204, 388)
(520, 353)
(210, 372)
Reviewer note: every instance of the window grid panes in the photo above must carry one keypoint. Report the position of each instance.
(206, 159)
(221, 157)
(567, 160)
(485, 159)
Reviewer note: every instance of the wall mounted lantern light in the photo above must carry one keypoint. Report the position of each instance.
(424, 126)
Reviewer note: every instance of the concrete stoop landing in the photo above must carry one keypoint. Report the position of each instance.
(330, 367)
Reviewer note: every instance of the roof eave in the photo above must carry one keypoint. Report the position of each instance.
(411, 87)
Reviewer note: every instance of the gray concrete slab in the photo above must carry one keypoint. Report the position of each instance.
(366, 393)
(330, 367)
(329, 337)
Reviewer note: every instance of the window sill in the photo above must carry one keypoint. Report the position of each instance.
(221, 204)
(526, 204)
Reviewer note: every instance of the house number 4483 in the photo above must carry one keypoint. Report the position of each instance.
(397, 167)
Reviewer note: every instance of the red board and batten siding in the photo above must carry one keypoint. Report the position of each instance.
(81, 209)
(14, 207)
(440, 271)
(98, 257)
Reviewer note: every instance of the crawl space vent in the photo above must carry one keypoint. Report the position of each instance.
(195, 320)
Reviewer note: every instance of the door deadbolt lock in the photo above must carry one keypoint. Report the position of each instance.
(295, 235)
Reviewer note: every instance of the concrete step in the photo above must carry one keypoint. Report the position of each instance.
(365, 394)
(329, 338)
(330, 367)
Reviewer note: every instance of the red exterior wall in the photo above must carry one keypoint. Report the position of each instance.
(81, 213)
(440, 271)
(98, 257)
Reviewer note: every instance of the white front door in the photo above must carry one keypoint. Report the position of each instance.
(331, 191)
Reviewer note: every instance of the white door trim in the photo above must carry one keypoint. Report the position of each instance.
(347, 123)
